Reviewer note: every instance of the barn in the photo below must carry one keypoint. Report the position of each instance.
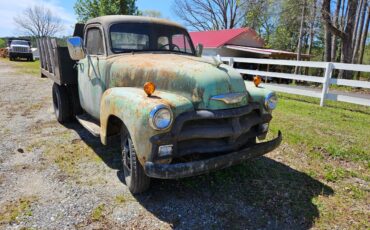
(242, 42)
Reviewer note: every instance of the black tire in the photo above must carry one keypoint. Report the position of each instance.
(136, 179)
(60, 103)
(74, 100)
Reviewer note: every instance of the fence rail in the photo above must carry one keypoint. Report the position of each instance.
(325, 80)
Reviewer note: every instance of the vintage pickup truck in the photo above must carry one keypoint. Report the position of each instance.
(177, 114)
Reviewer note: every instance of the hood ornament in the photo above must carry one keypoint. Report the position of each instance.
(230, 98)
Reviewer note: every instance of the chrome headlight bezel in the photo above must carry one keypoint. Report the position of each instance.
(271, 101)
(154, 112)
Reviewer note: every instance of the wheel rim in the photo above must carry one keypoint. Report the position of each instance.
(126, 156)
(55, 102)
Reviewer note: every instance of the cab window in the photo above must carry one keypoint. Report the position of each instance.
(94, 42)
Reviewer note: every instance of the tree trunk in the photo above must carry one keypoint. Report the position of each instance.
(363, 40)
(334, 39)
(326, 17)
(312, 33)
(348, 37)
(357, 39)
(299, 48)
(357, 21)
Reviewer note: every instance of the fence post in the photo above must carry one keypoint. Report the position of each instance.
(231, 62)
(326, 83)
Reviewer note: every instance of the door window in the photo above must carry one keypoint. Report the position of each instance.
(94, 42)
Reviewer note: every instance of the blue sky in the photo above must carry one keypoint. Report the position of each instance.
(64, 8)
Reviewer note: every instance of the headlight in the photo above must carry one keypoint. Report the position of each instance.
(271, 101)
(160, 117)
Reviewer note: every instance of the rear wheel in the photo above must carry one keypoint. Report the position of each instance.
(60, 103)
(136, 179)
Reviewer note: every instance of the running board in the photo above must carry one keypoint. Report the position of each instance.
(89, 123)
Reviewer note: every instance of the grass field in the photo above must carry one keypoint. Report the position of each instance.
(319, 177)
(327, 150)
(25, 67)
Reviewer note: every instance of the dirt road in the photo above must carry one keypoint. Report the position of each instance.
(57, 177)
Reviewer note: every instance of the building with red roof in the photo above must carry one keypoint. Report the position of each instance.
(242, 42)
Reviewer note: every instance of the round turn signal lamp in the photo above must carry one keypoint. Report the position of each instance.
(257, 80)
(149, 88)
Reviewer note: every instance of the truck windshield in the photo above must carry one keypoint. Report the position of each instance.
(18, 42)
(128, 37)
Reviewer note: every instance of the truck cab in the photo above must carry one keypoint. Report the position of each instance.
(20, 48)
(177, 114)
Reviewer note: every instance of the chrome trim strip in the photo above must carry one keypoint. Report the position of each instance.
(230, 98)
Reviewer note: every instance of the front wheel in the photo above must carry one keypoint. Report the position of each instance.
(136, 179)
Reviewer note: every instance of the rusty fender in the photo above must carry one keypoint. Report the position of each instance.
(180, 170)
(132, 106)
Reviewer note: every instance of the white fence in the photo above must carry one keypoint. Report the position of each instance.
(326, 80)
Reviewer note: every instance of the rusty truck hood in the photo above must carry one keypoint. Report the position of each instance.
(195, 78)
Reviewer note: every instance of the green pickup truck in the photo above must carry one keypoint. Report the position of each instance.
(177, 114)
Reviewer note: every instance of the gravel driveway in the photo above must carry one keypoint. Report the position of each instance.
(61, 177)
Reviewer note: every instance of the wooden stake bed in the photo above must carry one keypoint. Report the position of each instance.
(55, 62)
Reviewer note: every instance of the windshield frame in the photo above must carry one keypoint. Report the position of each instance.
(182, 30)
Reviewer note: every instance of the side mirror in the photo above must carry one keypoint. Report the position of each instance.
(199, 50)
(75, 48)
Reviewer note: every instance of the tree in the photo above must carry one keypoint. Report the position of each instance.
(358, 30)
(346, 35)
(86, 9)
(299, 48)
(334, 38)
(39, 21)
(2, 43)
(261, 16)
(286, 35)
(209, 14)
(327, 33)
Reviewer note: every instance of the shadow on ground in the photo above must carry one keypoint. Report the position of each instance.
(261, 193)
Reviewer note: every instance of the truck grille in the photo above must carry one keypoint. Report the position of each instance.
(20, 49)
(203, 134)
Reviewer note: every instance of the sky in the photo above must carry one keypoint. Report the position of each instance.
(64, 9)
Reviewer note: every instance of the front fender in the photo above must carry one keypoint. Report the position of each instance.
(258, 94)
(132, 106)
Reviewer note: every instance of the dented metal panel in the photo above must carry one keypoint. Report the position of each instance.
(132, 106)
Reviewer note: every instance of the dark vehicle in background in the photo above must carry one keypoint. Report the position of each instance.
(20, 48)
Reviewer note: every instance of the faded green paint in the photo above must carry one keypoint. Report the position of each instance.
(91, 83)
(195, 78)
(257, 94)
(133, 106)
(112, 85)
(184, 83)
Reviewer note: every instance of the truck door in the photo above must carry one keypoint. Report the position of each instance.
(91, 81)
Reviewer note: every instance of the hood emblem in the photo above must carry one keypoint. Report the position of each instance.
(231, 98)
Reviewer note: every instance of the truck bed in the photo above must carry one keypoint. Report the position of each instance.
(55, 62)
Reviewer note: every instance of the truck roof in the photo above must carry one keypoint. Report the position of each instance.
(106, 21)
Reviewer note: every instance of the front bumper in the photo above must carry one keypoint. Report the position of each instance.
(20, 55)
(180, 170)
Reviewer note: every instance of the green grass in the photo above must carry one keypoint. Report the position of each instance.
(24, 67)
(11, 211)
(338, 130)
(98, 213)
(331, 144)
(319, 176)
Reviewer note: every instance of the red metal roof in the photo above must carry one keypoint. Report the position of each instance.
(217, 38)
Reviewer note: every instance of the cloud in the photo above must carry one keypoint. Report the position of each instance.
(10, 10)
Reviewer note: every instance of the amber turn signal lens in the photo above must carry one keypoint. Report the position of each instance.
(257, 80)
(149, 88)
